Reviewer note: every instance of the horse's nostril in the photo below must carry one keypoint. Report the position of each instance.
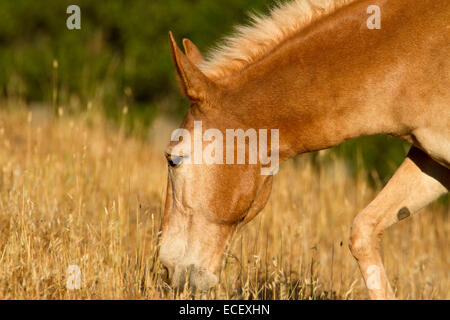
(164, 274)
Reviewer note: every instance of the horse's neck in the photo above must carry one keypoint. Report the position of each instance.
(330, 83)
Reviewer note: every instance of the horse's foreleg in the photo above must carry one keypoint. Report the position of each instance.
(417, 182)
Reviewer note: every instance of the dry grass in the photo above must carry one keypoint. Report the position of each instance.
(75, 191)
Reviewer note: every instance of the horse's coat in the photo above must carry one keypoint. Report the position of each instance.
(250, 43)
(320, 83)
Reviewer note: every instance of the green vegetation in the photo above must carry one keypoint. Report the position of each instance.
(120, 53)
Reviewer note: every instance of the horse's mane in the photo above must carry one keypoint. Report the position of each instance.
(251, 42)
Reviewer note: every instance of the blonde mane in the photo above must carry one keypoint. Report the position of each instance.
(250, 42)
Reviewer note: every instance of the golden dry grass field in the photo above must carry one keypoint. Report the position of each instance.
(75, 190)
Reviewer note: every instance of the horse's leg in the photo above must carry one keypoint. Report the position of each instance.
(417, 182)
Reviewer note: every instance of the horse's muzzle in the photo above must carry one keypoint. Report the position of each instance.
(194, 277)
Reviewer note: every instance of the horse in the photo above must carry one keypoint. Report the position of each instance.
(317, 72)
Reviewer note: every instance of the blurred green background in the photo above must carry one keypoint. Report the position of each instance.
(120, 57)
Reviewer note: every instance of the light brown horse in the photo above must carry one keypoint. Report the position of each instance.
(315, 71)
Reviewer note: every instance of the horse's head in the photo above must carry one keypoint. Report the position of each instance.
(211, 188)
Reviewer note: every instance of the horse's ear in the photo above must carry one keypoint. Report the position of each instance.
(194, 83)
(192, 52)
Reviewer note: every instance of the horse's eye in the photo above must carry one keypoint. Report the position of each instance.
(173, 160)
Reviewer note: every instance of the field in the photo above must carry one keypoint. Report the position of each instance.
(77, 190)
